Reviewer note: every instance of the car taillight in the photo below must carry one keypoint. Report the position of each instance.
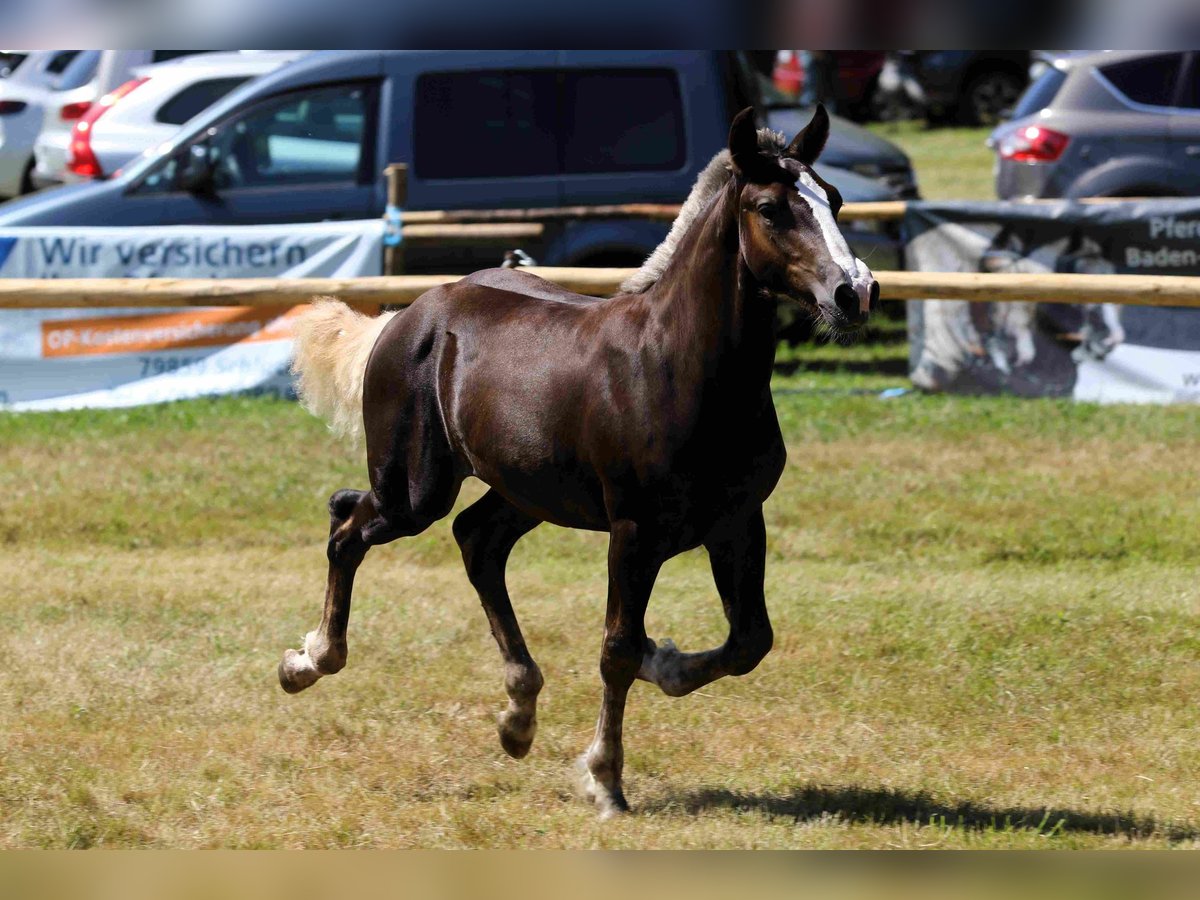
(10, 107)
(787, 75)
(1033, 143)
(72, 111)
(83, 159)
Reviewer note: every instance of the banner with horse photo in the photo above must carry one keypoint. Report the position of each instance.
(74, 358)
(1095, 352)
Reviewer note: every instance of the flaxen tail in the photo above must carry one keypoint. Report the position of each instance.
(333, 344)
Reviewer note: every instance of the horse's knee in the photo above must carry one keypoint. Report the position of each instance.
(750, 649)
(620, 659)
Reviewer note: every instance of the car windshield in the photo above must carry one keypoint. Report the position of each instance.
(1040, 94)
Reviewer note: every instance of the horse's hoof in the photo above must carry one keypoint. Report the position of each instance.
(661, 666)
(609, 804)
(516, 733)
(296, 671)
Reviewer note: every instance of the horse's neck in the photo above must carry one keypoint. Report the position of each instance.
(711, 310)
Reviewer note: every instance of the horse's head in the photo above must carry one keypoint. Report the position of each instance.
(787, 224)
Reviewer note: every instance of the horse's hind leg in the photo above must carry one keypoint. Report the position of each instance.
(352, 515)
(486, 532)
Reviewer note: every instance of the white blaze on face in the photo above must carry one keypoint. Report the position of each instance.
(856, 270)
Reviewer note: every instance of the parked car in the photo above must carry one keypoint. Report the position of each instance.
(145, 111)
(857, 77)
(308, 142)
(970, 87)
(70, 104)
(1115, 124)
(32, 78)
(850, 146)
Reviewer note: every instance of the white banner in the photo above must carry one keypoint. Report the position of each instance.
(72, 358)
(1096, 352)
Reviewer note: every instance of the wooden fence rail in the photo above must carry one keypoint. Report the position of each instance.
(880, 210)
(32, 293)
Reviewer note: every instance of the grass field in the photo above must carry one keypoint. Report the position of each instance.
(986, 615)
(951, 163)
(986, 618)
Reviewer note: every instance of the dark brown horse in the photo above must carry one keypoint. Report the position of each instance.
(647, 415)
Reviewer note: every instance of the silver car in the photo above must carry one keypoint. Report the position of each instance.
(1104, 124)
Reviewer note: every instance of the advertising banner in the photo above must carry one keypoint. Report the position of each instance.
(1097, 352)
(72, 358)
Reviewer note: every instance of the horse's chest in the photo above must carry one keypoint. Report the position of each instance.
(714, 472)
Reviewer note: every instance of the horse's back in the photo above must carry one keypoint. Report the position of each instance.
(518, 281)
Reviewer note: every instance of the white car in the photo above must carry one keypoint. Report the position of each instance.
(31, 80)
(94, 139)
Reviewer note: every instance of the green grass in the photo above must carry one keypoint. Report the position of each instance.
(951, 163)
(985, 609)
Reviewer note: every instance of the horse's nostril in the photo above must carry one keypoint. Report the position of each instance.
(874, 300)
(846, 299)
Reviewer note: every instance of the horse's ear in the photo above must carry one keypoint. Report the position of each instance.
(743, 142)
(809, 143)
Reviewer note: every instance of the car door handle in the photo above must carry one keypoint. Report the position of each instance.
(1193, 150)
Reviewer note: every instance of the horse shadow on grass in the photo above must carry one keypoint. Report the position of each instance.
(884, 806)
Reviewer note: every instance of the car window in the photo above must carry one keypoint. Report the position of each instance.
(1040, 93)
(9, 62)
(1150, 80)
(195, 98)
(74, 69)
(485, 125)
(59, 61)
(622, 121)
(307, 137)
(511, 124)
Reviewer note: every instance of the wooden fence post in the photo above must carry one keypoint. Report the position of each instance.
(397, 197)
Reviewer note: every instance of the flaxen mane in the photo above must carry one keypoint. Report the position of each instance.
(713, 177)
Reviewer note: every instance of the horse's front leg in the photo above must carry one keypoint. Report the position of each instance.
(738, 557)
(634, 559)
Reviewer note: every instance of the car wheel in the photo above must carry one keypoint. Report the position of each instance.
(988, 97)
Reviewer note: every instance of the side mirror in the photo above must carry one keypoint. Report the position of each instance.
(195, 169)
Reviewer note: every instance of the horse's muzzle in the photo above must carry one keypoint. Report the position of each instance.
(852, 307)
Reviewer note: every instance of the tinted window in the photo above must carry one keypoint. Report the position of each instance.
(622, 121)
(485, 125)
(59, 61)
(194, 99)
(9, 62)
(1149, 80)
(303, 138)
(1040, 93)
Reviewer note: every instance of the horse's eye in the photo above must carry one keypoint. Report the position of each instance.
(768, 210)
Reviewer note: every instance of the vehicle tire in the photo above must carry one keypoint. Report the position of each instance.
(988, 96)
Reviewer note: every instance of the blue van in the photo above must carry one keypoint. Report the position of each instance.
(493, 129)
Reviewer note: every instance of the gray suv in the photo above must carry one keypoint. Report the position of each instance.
(1105, 124)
